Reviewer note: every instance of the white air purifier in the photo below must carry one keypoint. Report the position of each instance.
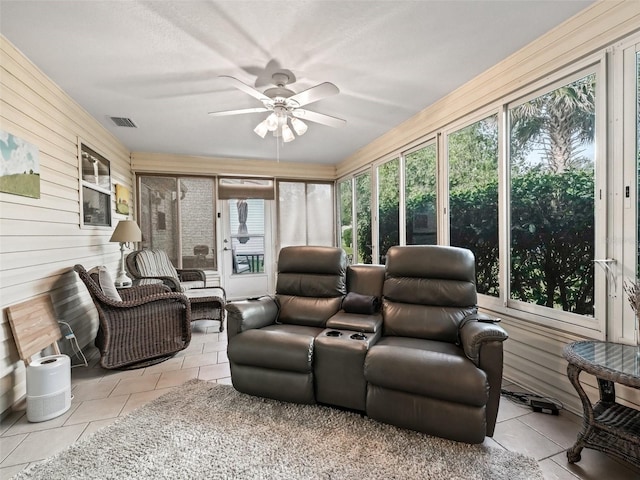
(48, 387)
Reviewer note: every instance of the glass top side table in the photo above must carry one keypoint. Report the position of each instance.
(607, 426)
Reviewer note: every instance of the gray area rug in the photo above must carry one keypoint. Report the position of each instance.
(202, 430)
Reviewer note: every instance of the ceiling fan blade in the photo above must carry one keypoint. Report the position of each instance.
(318, 117)
(239, 112)
(246, 88)
(316, 93)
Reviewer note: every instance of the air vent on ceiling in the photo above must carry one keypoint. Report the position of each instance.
(124, 122)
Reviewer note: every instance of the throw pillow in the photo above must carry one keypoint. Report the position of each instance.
(106, 283)
(362, 304)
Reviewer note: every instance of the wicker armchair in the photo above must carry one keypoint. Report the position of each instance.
(155, 264)
(148, 326)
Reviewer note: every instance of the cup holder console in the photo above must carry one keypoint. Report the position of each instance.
(354, 336)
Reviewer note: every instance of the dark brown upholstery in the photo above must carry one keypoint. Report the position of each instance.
(148, 326)
(423, 362)
(271, 341)
(436, 369)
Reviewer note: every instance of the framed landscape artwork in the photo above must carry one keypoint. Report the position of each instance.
(19, 167)
(122, 199)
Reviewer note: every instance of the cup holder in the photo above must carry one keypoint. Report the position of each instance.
(358, 336)
(334, 333)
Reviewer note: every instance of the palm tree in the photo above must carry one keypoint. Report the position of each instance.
(558, 124)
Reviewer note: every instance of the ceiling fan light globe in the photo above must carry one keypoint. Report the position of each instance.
(272, 122)
(287, 134)
(261, 129)
(299, 126)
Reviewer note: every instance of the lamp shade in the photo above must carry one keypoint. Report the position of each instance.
(126, 231)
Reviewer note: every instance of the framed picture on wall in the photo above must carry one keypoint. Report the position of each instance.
(20, 167)
(123, 197)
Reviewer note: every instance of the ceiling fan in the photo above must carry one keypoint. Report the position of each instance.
(285, 106)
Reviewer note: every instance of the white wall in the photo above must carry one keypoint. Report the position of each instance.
(41, 239)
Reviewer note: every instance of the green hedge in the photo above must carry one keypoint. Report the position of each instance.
(552, 236)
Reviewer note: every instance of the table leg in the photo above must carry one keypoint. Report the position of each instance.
(573, 453)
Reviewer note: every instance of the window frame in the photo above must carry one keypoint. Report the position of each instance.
(375, 194)
(444, 227)
(552, 317)
(432, 140)
(625, 140)
(96, 188)
(216, 246)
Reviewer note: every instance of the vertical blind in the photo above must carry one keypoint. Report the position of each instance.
(305, 214)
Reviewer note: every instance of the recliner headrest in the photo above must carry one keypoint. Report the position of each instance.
(312, 259)
(431, 261)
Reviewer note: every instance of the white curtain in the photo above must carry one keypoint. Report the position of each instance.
(305, 214)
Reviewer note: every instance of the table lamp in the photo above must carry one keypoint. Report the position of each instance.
(127, 231)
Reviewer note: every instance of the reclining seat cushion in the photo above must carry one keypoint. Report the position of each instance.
(310, 285)
(427, 368)
(277, 347)
(427, 296)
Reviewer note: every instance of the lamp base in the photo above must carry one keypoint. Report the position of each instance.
(122, 280)
(123, 283)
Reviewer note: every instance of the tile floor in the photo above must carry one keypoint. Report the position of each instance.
(100, 396)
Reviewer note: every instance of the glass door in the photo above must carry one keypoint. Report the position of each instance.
(246, 258)
(177, 215)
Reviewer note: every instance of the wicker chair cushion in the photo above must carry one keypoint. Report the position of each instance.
(107, 285)
(155, 263)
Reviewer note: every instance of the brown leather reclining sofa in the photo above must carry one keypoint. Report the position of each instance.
(424, 360)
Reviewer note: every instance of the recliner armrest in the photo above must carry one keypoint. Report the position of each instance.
(477, 329)
(250, 314)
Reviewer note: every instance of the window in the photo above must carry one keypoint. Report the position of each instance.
(629, 140)
(420, 196)
(247, 226)
(388, 207)
(637, 149)
(197, 222)
(364, 243)
(95, 188)
(552, 197)
(345, 192)
(472, 154)
(305, 212)
(177, 215)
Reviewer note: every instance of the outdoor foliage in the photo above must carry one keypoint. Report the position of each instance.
(552, 240)
(551, 199)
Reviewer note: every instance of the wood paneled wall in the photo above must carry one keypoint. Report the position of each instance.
(41, 239)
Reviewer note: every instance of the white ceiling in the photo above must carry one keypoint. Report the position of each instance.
(158, 62)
